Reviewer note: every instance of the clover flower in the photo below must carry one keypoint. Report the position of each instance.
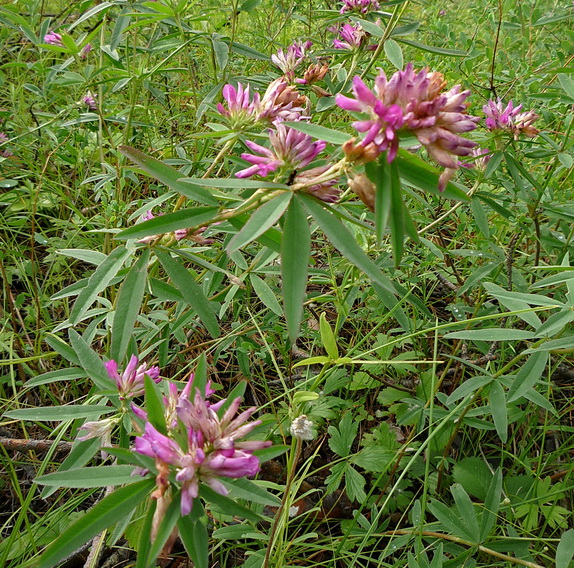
(352, 37)
(302, 428)
(292, 57)
(4, 140)
(179, 234)
(362, 6)
(281, 101)
(131, 382)
(85, 50)
(241, 111)
(289, 148)
(89, 100)
(479, 158)
(323, 190)
(509, 118)
(413, 101)
(101, 429)
(211, 448)
(53, 38)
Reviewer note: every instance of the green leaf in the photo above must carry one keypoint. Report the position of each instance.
(530, 373)
(243, 488)
(227, 505)
(104, 514)
(200, 381)
(168, 521)
(397, 216)
(342, 438)
(193, 535)
(450, 521)
(497, 402)
(168, 176)
(562, 345)
(128, 306)
(265, 294)
(183, 219)
(466, 509)
(89, 256)
(235, 183)
(87, 477)
(55, 376)
(417, 173)
(319, 132)
(565, 550)
(491, 334)
(343, 240)
(264, 218)
(530, 299)
(221, 50)
(295, 251)
(98, 282)
(394, 53)
(491, 505)
(433, 49)
(91, 362)
(474, 475)
(59, 413)
(191, 291)
(355, 485)
(154, 405)
(380, 174)
(328, 338)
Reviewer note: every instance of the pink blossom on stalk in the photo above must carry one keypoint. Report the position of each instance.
(242, 111)
(479, 158)
(212, 449)
(509, 118)
(90, 101)
(352, 37)
(281, 101)
(53, 38)
(290, 148)
(292, 57)
(4, 140)
(323, 190)
(362, 6)
(414, 101)
(85, 50)
(131, 382)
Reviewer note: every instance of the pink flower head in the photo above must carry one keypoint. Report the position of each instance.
(290, 59)
(85, 50)
(413, 101)
(281, 102)
(509, 118)
(323, 190)
(4, 140)
(212, 449)
(290, 148)
(479, 158)
(131, 382)
(90, 101)
(53, 38)
(361, 6)
(241, 111)
(352, 37)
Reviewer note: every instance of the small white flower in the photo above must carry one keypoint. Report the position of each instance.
(302, 428)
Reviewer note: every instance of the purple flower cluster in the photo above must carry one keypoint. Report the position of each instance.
(289, 148)
(53, 38)
(361, 6)
(279, 102)
(413, 101)
(510, 118)
(89, 99)
(4, 140)
(352, 37)
(131, 382)
(292, 57)
(210, 449)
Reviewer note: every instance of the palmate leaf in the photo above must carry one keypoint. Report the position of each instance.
(168, 176)
(295, 251)
(107, 512)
